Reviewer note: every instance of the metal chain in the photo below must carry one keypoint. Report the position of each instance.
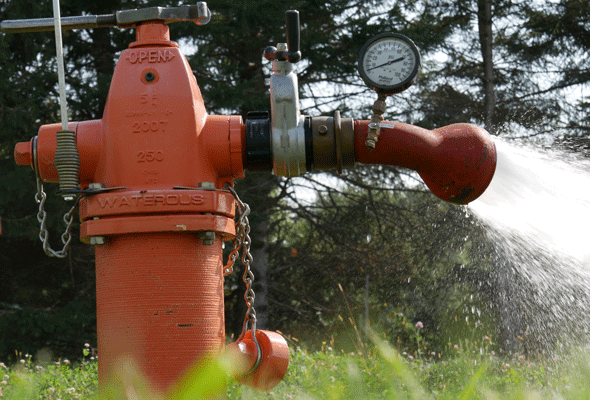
(68, 219)
(243, 242)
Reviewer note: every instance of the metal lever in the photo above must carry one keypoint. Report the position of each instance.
(198, 13)
(47, 24)
(293, 30)
(292, 52)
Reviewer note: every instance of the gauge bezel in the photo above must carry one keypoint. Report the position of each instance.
(400, 87)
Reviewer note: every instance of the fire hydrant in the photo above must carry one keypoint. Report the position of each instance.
(156, 195)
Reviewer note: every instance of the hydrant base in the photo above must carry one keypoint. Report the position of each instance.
(160, 301)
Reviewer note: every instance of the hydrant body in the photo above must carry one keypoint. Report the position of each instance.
(156, 160)
(159, 273)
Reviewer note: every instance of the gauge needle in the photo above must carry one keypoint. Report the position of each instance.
(387, 63)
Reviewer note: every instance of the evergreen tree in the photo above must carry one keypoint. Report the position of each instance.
(558, 41)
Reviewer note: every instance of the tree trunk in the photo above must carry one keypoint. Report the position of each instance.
(484, 18)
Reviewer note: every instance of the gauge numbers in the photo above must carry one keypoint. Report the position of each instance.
(389, 63)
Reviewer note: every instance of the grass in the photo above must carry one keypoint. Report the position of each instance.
(380, 373)
(44, 379)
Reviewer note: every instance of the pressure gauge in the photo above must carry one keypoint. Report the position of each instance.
(389, 63)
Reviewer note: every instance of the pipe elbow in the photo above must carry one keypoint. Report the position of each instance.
(457, 162)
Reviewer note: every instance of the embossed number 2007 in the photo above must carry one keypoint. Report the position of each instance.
(149, 156)
(150, 126)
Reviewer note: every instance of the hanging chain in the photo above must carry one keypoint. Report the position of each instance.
(41, 196)
(68, 219)
(243, 241)
(242, 225)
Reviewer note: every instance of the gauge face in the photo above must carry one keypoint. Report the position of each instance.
(389, 63)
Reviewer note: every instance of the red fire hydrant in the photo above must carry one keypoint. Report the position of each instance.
(154, 177)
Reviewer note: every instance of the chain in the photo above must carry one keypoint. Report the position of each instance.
(242, 241)
(68, 219)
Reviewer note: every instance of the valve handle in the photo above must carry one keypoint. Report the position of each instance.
(292, 52)
(293, 31)
(198, 13)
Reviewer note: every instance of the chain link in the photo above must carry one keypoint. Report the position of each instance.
(243, 242)
(68, 219)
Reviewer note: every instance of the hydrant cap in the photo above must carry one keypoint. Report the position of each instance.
(23, 153)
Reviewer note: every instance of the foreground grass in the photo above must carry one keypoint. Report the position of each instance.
(56, 380)
(386, 374)
(380, 373)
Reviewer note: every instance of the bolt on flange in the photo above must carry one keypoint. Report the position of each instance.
(208, 237)
(97, 240)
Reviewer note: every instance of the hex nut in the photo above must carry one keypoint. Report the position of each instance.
(97, 240)
(208, 237)
(95, 185)
(379, 107)
(207, 185)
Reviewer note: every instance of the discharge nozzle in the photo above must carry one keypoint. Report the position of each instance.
(457, 162)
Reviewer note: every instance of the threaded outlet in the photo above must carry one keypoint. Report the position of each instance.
(67, 161)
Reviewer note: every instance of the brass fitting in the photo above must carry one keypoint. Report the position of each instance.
(374, 128)
(333, 142)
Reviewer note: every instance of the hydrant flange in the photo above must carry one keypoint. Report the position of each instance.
(142, 202)
(221, 225)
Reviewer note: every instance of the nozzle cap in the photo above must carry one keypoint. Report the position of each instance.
(274, 359)
(23, 153)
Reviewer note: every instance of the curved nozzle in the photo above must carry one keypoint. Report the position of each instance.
(457, 162)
